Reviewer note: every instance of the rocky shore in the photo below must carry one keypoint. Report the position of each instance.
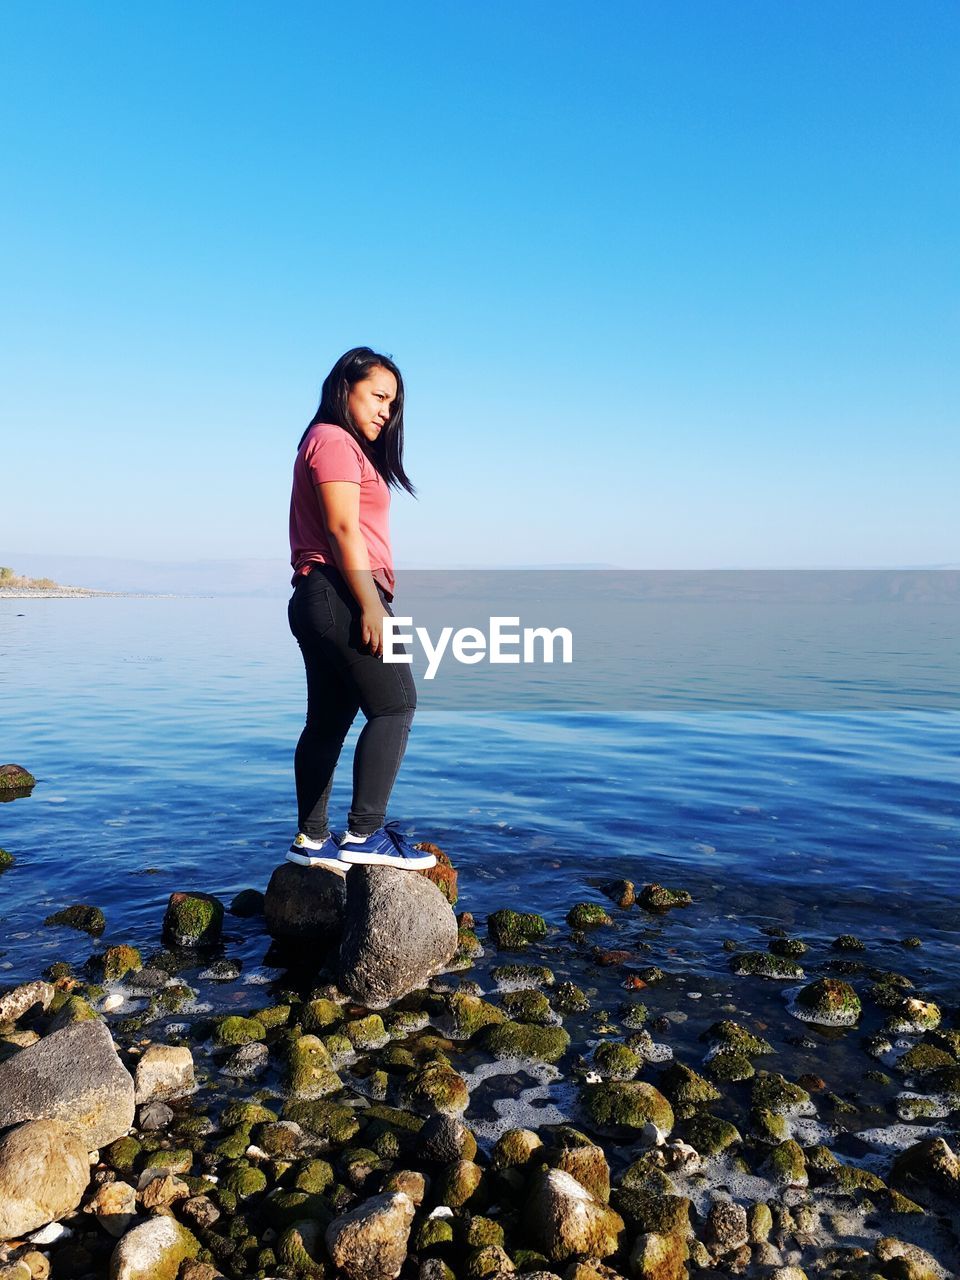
(417, 1093)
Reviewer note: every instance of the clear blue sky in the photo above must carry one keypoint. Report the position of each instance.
(672, 285)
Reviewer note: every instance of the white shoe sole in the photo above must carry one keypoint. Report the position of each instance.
(385, 860)
(307, 860)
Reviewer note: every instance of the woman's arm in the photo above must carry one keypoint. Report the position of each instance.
(340, 503)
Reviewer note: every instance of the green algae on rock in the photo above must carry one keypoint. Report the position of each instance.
(116, 962)
(830, 1002)
(587, 915)
(616, 1061)
(709, 1134)
(515, 1148)
(325, 1119)
(522, 1040)
(787, 1165)
(193, 919)
(630, 1104)
(13, 777)
(764, 964)
(569, 998)
(659, 1257)
(913, 1015)
(235, 1030)
(565, 1221)
(6, 859)
(469, 1014)
(518, 977)
(728, 1066)
(777, 1094)
(310, 1069)
(655, 897)
(512, 930)
(528, 1006)
(685, 1087)
(437, 1088)
(80, 916)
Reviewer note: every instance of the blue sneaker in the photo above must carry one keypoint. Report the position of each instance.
(387, 847)
(317, 853)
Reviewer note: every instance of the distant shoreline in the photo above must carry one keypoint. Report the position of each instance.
(76, 593)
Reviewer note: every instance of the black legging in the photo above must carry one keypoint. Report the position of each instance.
(342, 678)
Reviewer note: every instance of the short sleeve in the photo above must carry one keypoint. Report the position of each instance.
(333, 456)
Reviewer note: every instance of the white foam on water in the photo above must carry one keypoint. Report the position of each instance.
(550, 1101)
(716, 1174)
(257, 978)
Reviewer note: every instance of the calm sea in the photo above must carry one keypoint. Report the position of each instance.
(791, 762)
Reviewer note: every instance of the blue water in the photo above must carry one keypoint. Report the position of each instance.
(161, 733)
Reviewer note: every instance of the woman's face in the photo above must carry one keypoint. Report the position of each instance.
(371, 402)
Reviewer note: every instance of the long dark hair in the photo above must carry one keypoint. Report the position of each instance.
(386, 453)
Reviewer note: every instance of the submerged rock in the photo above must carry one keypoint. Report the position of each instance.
(44, 1172)
(399, 931)
(655, 897)
(523, 1040)
(74, 1076)
(193, 920)
(305, 904)
(80, 916)
(587, 915)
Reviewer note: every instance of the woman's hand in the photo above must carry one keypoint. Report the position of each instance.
(371, 628)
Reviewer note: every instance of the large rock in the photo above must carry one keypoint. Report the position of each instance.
(399, 931)
(193, 920)
(15, 778)
(74, 1076)
(153, 1251)
(44, 1171)
(565, 1220)
(370, 1242)
(305, 904)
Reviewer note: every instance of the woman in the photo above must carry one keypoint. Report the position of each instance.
(349, 456)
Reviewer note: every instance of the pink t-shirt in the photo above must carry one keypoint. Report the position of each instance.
(330, 453)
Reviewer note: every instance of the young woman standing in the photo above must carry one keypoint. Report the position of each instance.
(348, 458)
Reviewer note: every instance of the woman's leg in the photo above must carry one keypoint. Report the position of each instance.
(332, 705)
(388, 699)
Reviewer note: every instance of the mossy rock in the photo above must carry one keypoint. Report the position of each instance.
(709, 1135)
(656, 897)
(569, 998)
(469, 1014)
(247, 1114)
(460, 1183)
(314, 1176)
(764, 964)
(437, 1088)
(776, 1093)
(310, 1069)
(791, 947)
(80, 916)
(13, 777)
(513, 930)
(645, 1174)
(331, 1121)
(828, 1001)
(848, 942)
(945, 1081)
(73, 1009)
(728, 1067)
(515, 1149)
(122, 1154)
(233, 1144)
(366, 1033)
(301, 1248)
(6, 859)
(244, 1180)
(432, 1236)
(521, 1040)
(483, 1231)
(193, 920)
(847, 1179)
(492, 1261)
(235, 1030)
(528, 1006)
(519, 977)
(283, 1206)
(786, 1165)
(899, 1203)
(615, 1061)
(630, 1104)
(586, 1162)
(684, 1087)
(652, 1210)
(273, 1016)
(727, 1035)
(633, 1015)
(913, 1016)
(318, 1015)
(587, 915)
(767, 1126)
(921, 1059)
(116, 962)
